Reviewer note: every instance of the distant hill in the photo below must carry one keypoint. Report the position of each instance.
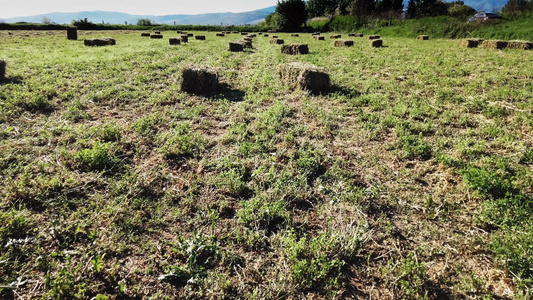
(251, 17)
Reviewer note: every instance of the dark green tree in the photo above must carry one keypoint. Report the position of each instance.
(144, 22)
(319, 8)
(411, 9)
(362, 9)
(397, 5)
(292, 15)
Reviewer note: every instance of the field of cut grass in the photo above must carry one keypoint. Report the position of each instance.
(411, 179)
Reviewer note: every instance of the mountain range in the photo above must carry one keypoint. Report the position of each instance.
(228, 18)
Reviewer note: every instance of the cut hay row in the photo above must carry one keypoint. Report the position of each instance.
(376, 43)
(105, 41)
(522, 45)
(72, 33)
(156, 36)
(197, 80)
(469, 43)
(423, 37)
(2, 68)
(174, 41)
(343, 43)
(305, 77)
(277, 41)
(373, 37)
(295, 49)
(200, 37)
(494, 44)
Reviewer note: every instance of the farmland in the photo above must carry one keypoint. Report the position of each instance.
(411, 178)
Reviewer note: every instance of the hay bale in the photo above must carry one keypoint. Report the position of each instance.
(315, 33)
(271, 31)
(246, 44)
(266, 35)
(494, 44)
(72, 33)
(423, 37)
(343, 43)
(190, 34)
(295, 49)
(184, 38)
(376, 43)
(145, 34)
(2, 68)
(157, 32)
(260, 33)
(335, 36)
(236, 47)
(221, 34)
(295, 35)
(156, 36)
(277, 41)
(174, 41)
(247, 38)
(359, 35)
(305, 77)
(105, 41)
(200, 37)
(319, 38)
(373, 37)
(275, 37)
(244, 33)
(517, 44)
(469, 43)
(198, 80)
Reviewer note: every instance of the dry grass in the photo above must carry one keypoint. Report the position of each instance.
(494, 44)
(198, 80)
(307, 77)
(295, 49)
(517, 44)
(343, 43)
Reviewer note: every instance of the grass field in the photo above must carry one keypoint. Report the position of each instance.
(412, 179)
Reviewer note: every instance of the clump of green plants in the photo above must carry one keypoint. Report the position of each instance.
(261, 214)
(414, 147)
(407, 277)
(181, 142)
(101, 157)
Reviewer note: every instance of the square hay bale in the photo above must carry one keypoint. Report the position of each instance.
(315, 33)
(2, 68)
(236, 47)
(184, 38)
(197, 80)
(376, 43)
(295, 49)
(359, 35)
(105, 41)
(252, 35)
(246, 44)
(275, 37)
(156, 36)
(469, 43)
(72, 33)
(244, 33)
(494, 44)
(157, 32)
(200, 37)
(373, 37)
(517, 44)
(295, 35)
(423, 37)
(351, 34)
(277, 41)
(247, 38)
(190, 34)
(220, 34)
(343, 43)
(305, 76)
(265, 35)
(260, 33)
(145, 34)
(335, 36)
(174, 41)
(319, 38)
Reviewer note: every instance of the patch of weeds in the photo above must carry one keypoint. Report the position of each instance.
(180, 142)
(260, 214)
(76, 111)
(100, 158)
(494, 111)
(489, 183)
(407, 277)
(231, 177)
(308, 162)
(66, 284)
(144, 127)
(414, 147)
(527, 156)
(111, 132)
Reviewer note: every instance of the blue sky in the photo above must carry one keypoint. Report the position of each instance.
(17, 8)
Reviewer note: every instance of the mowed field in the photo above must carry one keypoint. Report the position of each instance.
(411, 179)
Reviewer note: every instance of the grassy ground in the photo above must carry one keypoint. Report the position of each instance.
(411, 179)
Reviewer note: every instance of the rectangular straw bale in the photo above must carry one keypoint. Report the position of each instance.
(197, 80)
(145, 34)
(295, 35)
(157, 32)
(517, 44)
(319, 38)
(236, 47)
(174, 41)
(266, 35)
(105, 41)
(376, 43)
(305, 77)
(247, 38)
(275, 37)
(494, 44)
(156, 36)
(343, 43)
(72, 33)
(469, 43)
(220, 34)
(190, 34)
(295, 49)
(423, 37)
(373, 37)
(335, 36)
(184, 38)
(2, 68)
(200, 37)
(277, 41)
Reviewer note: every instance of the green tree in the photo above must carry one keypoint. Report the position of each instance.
(292, 14)
(362, 9)
(460, 10)
(144, 22)
(46, 20)
(318, 8)
(272, 19)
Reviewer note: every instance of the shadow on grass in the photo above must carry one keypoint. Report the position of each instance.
(226, 92)
(343, 91)
(11, 80)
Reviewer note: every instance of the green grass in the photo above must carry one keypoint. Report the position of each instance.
(410, 180)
